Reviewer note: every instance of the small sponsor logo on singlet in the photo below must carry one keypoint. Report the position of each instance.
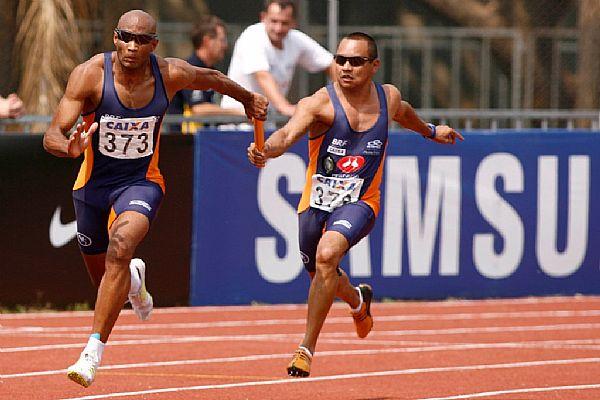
(328, 165)
(336, 150)
(374, 144)
(350, 164)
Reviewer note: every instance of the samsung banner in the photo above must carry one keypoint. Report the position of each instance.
(498, 215)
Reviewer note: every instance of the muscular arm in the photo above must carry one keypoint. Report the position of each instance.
(308, 112)
(182, 75)
(213, 109)
(69, 108)
(271, 90)
(406, 116)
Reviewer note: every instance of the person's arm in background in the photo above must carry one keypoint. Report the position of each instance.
(271, 90)
(11, 106)
(315, 57)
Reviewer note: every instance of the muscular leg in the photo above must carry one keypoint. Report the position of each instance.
(345, 291)
(126, 233)
(323, 288)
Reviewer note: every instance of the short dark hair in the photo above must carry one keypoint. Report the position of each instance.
(207, 26)
(367, 38)
(282, 4)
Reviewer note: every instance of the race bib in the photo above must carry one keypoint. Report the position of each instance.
(126, 138)
(328, 193)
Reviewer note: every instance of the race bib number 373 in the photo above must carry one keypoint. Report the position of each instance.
(126, 138)
(328, 193)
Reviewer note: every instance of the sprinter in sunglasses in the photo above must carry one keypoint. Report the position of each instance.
(347, 124)
(122, 96)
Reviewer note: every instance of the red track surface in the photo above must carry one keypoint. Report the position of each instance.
(535, 348)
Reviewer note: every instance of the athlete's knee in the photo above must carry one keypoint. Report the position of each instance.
(120, 251)
(327, 258)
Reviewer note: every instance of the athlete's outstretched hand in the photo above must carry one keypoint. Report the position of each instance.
(446, 135)
(257, 107)
(80, 139)
(256, 157)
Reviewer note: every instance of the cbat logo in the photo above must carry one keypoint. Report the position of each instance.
(305, 257)
(83, 240)
(350, 164)
(374, 144)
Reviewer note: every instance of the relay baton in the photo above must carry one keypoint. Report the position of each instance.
(259, 134)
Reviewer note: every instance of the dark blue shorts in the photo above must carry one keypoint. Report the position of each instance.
(93, 211)
(353, 220)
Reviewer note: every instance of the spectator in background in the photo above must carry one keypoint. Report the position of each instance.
(209, 38)
(266, 54)
(11, 106)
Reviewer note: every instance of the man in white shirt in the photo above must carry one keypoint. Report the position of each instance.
(266, 54)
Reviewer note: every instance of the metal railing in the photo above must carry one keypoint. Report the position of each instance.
(435, 67)
(458, 118)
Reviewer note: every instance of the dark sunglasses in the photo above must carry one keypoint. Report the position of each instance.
(354, 61)
(141, 38)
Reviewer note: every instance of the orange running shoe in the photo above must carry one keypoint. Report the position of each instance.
(300, 364)
(363, 322)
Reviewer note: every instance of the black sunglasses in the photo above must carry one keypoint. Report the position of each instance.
(139, 38)
(354, 61)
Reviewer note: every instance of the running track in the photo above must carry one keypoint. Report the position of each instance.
(517, 349)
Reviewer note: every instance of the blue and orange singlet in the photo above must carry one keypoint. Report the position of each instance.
(346, 166)
(124, 150)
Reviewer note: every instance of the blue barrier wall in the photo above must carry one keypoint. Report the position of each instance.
(498, 215)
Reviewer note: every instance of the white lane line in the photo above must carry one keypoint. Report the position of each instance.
(279, 336)
(514, 391)
(328, 353)
(301, 321)
(286, 307)
(411, 371)
(188, 339)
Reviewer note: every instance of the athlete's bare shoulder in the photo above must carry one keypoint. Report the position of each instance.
(86, 79)
(176, 73)
(394, 98)
(318, 103)
(321, 109)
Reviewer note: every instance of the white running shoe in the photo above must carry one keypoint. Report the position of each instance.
(142, 300)
(84, 370)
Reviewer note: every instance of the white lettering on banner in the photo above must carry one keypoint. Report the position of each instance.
(404, 216)
(403, 197)
(500, 214)
(360, 259)
(282, 217)
(553, 262)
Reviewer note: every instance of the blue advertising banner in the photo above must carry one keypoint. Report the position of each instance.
(498, 215)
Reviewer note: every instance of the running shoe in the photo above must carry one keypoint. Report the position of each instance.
(142, 300)
(84, 370)
(300, 364)
(363, 322)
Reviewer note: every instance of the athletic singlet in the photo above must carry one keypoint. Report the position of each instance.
(124, 148)
(345, 165)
